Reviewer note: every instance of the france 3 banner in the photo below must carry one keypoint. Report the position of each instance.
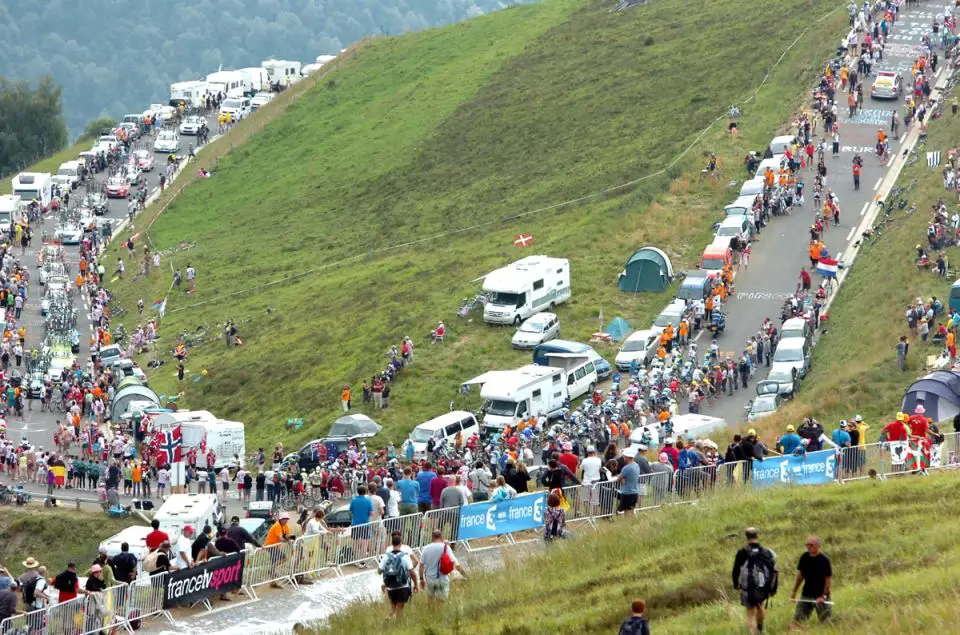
(481, 520)
(211, 578)
(812, 468)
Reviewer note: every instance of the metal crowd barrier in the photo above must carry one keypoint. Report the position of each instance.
(28, 623)
(360, 543)
(446, 520)
(880, 460)
(316, 553)
(268, 565)
(145, 598)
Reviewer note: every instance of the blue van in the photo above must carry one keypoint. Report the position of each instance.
(563, 346)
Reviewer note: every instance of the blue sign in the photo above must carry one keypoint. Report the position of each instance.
(812, 468)
(481, 520)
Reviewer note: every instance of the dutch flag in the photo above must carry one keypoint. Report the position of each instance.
(827, 267)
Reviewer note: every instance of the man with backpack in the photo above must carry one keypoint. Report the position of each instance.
(755, 576)
(436, 564)
(398, 571)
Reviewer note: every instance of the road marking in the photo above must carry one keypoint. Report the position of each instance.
(877, 186)
(865, 207)
(850, 235)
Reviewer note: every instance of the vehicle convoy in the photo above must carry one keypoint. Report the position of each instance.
(512, 395)
(525, 287)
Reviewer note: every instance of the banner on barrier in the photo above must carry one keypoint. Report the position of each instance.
(206, 580)
(481, 520)
(812, 468)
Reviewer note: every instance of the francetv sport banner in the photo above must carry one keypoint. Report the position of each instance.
(481, 520)
(812, 468)
(206, 580)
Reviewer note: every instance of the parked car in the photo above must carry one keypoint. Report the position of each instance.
(192, 125)
(537, 329)
(785, 376)
(640, 346)
(795, 353)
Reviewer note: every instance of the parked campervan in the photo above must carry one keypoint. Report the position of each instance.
(517, 291)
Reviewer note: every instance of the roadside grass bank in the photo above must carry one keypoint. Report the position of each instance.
(343, 225)
(53, 536)
(855, 362)
(679, 559)
(51, 164)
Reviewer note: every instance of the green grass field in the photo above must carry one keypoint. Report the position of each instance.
(466, 126)
(855, 368)
(54, 537)
(50, 164)
(892, 563)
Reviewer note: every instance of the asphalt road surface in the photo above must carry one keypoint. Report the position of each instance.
(39, 427)
(781, 252)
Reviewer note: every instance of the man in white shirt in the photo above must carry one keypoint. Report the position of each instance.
(184, 548)
(393, 502)
(591, 466)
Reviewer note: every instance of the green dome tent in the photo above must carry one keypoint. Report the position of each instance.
(648, 269)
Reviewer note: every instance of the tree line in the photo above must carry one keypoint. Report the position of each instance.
(31, 123)
(114, 57)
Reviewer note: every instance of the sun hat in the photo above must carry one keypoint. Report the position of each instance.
(790, 428)
(630, 452)
(96, 569)
(284, 516)
(30, 563)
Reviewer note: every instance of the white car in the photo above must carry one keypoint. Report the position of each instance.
(69, 234)
(167, 142)
(640, 346)
(260, 99)
(539, 328)
(192, 125)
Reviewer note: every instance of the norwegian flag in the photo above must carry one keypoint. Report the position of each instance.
(203, 444)
(168, 446)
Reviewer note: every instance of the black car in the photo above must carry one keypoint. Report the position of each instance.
(307, 456)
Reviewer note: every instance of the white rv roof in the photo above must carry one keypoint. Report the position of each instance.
(29, 178)
(178, 506)
(223, 76)
(9, 202)
(188, 84)
(513, 277)
(510, 382)
(134, 536)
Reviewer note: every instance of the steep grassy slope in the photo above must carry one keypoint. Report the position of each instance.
(364, 193)
(895, 569)
(855, 370)
(54, 537)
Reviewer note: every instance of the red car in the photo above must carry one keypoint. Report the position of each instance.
(144, 159)
(117, 187)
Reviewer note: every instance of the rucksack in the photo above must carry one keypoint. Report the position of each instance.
(150, 561)
(395, 574)
(759, 577)
(30, 592)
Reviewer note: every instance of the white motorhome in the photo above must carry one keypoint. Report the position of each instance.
(512, 395)
(282, 72)
(257, 79)
(225, 438)
(34, 185)
(193, 93)
(517, 291)
(581, 371)
(10, 209)
(227, 82)
(310, 68)
(180, 510)
(323, 59)
(136, 539)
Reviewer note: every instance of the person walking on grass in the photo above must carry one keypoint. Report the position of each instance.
(902, 348)
(815, 573)
(755, 576)
(636, 624)
(436, 564)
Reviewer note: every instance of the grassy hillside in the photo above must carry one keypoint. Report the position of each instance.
(50, 164)
(886, 580)
(383, 192)
(855, 367)
(54, 537)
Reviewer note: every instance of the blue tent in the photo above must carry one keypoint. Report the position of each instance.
(938, 393)
(618, 329)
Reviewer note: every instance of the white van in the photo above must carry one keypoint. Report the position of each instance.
(581, 372)
(34, 185)
(525, 287)
(796, 328)
(180, 510)
(237, 107)
(734, 225)
(447, 427)
(69, 174)
(226, 82)
(282, 72)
